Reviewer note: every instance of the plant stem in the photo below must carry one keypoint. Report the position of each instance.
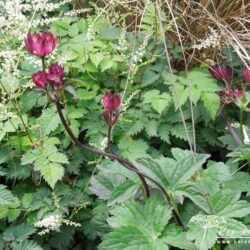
(126, 163)
(230, 128)
(145, 187)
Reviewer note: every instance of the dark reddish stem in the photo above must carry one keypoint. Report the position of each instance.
(126, 163)
(144, 183)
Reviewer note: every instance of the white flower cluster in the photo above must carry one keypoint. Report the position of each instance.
(128, 100)
(52, 223)
(122, 43)
(4, 112)
(8, 59)
(212, 41)
(77, 12)
(138, 55)
(90, 33)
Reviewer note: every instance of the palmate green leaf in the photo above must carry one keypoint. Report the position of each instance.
(103, 184)
(206, 229)
(123, 192)
(185, 168)
(28, 245)
(138, 226)
(155, 170)
(214, 175)
(204, 238)
(193, 192)
(226, 203)
(6, 197)
(174, 236)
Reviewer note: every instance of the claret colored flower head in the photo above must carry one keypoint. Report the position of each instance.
(41, 44)
(246, 74)
(55, 75)
(40, 79)
(222, 73)
(111, 102)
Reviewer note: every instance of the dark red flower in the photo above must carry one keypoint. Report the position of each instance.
(55, 75)
(239, 94)
(221, 73)
(41, 44)
(111, 102)
(246, 74)
(40, 79)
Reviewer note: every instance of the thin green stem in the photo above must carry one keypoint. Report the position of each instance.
(241, 125)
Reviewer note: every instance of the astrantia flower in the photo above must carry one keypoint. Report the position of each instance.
(55, 75)
(221, 73)
(41, 44)
(40, 79)
(111, 102)
(246, 74)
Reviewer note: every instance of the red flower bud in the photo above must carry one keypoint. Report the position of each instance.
(246, 74)
(40, 79)
(111, 102)
(55, 75)
(110, 118)
(41, 44)
(221, 73)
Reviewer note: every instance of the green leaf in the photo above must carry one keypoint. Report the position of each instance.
(136, 127)
(28, 245)
(185, 168)
(123, 192)
(133, 149)
(52, 172)
(49, 121)
(204, 238)
(151, 128)
(6, 197)
(96, 58)
(138, 226)
(18, 233)
(212, 103)
(174, 236)
(194, 193)
(58, 157)
(158, 101)
(215, 173)
(225, 203)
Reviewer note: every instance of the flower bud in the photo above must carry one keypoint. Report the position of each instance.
(41, 44)
(111, 102)
(246, 74)
(221, 73)
(55, 75)
(40, 79)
